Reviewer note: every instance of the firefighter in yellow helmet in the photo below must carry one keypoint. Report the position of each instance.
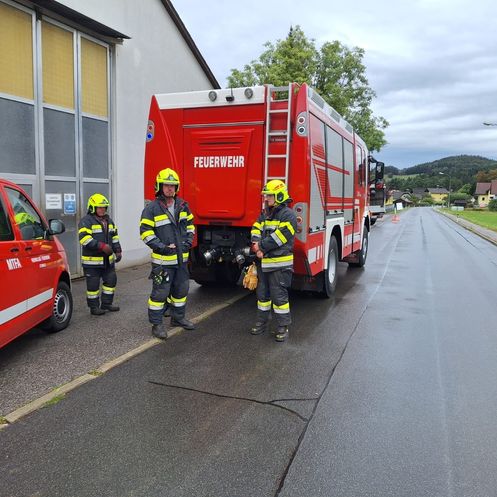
(31, 228)
(100, 251)
(272, 238)
(167, 227)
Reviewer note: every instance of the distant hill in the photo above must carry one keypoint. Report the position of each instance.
(456, 164)
(457, 171)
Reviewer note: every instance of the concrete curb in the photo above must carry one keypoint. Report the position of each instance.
(474, 228)
(42, 401)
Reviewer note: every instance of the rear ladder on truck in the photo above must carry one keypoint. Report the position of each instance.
(277, 148)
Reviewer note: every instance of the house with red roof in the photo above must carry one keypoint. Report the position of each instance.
(485, 192)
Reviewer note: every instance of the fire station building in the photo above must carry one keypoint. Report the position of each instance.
(76, 78)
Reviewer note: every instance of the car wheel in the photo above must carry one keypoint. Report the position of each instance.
(61, 309)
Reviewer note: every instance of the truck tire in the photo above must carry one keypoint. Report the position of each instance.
(61, 310)
(363, 253)
(330, 273)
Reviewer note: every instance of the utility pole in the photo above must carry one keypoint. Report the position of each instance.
(450, 181)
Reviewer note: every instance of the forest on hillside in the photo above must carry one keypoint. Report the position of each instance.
(460, 172)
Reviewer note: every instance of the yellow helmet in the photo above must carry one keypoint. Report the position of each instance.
(97, 200)
(166, 177)
(277, 188)
(24, 218)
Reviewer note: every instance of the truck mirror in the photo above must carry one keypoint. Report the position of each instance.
(380, 170)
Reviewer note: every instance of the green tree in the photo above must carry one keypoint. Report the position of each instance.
(459, 196)
(426, 200)
(486, 176)
(466, 188)
(492, 205)
(335, 71)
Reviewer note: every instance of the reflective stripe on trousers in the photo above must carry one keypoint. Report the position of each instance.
(109, 279)
(173, 288)
(272, 287)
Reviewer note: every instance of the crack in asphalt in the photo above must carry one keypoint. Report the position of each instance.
(246, 399)
(307, 421)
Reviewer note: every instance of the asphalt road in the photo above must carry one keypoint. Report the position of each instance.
(386, 390)
(38, 362)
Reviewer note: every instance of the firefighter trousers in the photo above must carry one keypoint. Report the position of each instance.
(272, 289)
(169, 284)
(109, 279)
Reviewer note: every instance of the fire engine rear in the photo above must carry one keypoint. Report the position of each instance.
(226, 144)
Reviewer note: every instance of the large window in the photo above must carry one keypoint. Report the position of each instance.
(16, 52)
(17, 111)
(59, 117)
(54, 114)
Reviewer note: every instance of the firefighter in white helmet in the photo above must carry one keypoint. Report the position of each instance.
(100, 251)
(166, 226)
(272, 238)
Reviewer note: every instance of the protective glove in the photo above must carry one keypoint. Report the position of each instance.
(250, 278)
(166, 250)
(106, 249)
(158, 275)
(119, 256)
(186, 246)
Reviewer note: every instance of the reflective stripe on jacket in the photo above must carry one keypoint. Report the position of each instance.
(158, 229)
(274, 230)
(93, 231)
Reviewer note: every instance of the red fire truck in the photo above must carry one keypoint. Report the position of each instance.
(377, 194)
(226, 144)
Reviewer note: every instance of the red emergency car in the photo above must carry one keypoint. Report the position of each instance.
(35, 284)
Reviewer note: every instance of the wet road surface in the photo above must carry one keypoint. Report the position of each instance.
(386, 390)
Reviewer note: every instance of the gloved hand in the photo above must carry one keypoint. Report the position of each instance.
(158, 274)
(119, 256)
(187, 245)
(167, 249)
(250, 278)
(106, 249)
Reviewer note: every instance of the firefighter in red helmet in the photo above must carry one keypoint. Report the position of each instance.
(166, 226)
(272, 241)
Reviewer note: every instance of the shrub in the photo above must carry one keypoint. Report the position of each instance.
(492, 205)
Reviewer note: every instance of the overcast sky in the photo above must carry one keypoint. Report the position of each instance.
(432, 63)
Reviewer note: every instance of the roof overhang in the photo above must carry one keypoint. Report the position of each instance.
(71, 16)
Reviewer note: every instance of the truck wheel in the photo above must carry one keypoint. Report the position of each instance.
(363, 253)
(61, 309)
(330, 274)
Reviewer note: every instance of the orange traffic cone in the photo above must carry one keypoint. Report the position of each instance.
(395, 217)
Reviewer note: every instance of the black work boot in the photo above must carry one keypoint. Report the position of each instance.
(281, 333)
(110, 307)
(159, 331)
(259, 328)
(183, 322)
(96, 311)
